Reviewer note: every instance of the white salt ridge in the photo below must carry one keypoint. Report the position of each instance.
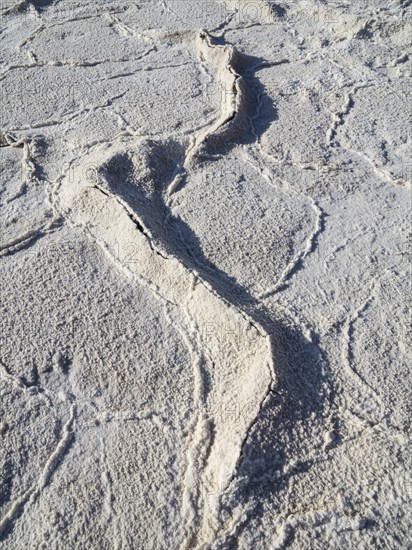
(240, 367)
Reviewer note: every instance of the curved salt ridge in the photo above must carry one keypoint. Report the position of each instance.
(223, 59)
(237, 356)
(239, 359)
(234, 119)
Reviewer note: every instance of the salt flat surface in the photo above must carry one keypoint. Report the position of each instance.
(204, 274)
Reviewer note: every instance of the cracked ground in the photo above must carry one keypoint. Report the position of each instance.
(204, 275)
